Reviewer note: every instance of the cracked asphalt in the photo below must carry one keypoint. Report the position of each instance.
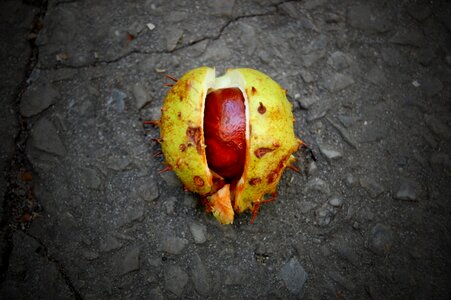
(85, 214)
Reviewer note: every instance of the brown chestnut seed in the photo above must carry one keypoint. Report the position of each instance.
(224, 131)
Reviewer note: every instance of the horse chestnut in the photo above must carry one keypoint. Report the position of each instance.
(225, 132)
(228, 138)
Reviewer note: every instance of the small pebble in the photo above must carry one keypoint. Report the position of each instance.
(407, 190)
(148, 191)
(337, 82)
(381, 239)
(118, 97)
(312, 169)
(318, 185)
(200, 276)
(169, 204)
(141, 96)
(323, 215)
(173, 36)
(307, 102)
(175, 280)
(350, 213)
(293, 275)
(307, 76)
(338, 60)
(330, 153)
(350, 180)
(174, 245)
(373, 188)
(150, 26)
(336, 201)
(45, 137)
(199, 232)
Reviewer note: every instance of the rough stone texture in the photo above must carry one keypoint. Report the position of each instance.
(199, 232)
(173, 35)
(109, 243)
(419, 11)
(200, 277)
(407, 190)
(431, 86)
(36, 99)
(16, 21)
(45, 137)
(94, 217)
(149, 191)
(381, 239)
(318, 185)
(342, 281)
(130, 261)
(376, 76)
(221, 8)
(324, 215)
(32, 273)
(156, 294)
(330, 153)
(175, 280)
(174, 245)
(363, 17)
(336, 201)
(392, 57)
(339, 61)
(141, 96)
(336, 82)
(293, 275)
(307, 102)
(309, 59)
(408, 37)
(373, 188)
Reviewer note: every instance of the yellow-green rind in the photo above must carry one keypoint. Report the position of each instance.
(182, 133)
(271, 138)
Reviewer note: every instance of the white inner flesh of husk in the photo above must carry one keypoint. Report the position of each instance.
(232, 79)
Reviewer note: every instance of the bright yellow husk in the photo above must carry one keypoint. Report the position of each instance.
(269, 135)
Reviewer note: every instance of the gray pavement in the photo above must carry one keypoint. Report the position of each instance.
(86, 214)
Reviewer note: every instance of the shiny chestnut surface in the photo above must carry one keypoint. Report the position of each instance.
(225, 132)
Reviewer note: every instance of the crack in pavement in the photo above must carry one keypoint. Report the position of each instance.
(215, 37)
(64, 2)
(343, 133)
(44, 253)
(110, 182)
(14, 205)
